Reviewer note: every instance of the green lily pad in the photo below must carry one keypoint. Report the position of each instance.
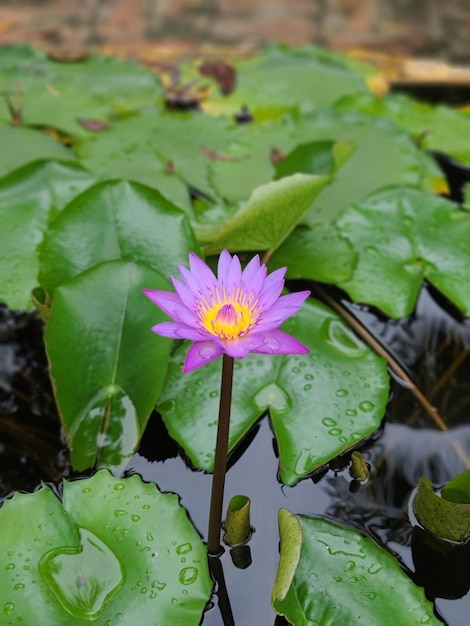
(123, 221)
(290, 80)
(30, 198)
(448, 516)
(59, 95)
(115, 550)
(106, 368)
(343, 578)
(164, 150)
(26, 145)
(458, 489)
(263, 222)
(435, 127)
(400, 237)
(341, 377)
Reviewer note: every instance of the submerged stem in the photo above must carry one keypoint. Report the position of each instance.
(220, 462)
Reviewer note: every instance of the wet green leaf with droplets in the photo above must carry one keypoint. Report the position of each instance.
(30, 198)
(399, 238)
(106, 367)
(116, 550)
(345, 578)
(123, 221)
(320, 404)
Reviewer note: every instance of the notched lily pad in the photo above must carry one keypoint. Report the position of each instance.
(115, 550)
(320, 404)
(343, 578)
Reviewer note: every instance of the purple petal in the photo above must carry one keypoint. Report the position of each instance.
(202, 273)
(201, 353)
(232, 279)
(283, 308)
(239, 348)
(253, 277)
(273, 285)
(185, 295)
(168, 301)
(223, 265)
(179, 331)
(278, 342)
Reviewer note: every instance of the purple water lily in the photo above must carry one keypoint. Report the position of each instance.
(236, 313)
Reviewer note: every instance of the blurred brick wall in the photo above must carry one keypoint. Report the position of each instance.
(410, 27)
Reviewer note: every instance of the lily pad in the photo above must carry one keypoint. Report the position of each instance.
(26, 145)
(30, 198)
(341, 377)
(263, 222)
(55, 94)
(448, 516)
(114, 551)
(123, 221)
(106, 369)
(343, 578)
(400, 237)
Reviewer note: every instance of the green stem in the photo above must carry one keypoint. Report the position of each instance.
(220, 462)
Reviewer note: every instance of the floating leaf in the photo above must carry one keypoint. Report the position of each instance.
(58, 95)
(458, 489)
(399, 237)
(345, 382)
(30, 198)
(269, 215)
(447, 517)
(115, 549)
(26, 145)
(123, 221)
(107, 369)
(343, 578)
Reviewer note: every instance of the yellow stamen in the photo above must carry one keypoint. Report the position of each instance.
(228, 317)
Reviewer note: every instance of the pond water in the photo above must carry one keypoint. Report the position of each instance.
(432, 344)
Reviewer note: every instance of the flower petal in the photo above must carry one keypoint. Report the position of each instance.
(239, 348)
(179, 331)
(202, 273)
(201, 353)
(278, 342)
(223, 265)
(253, 277)
(283, 308)
(272, 287)
(184, 293)
(168, 301)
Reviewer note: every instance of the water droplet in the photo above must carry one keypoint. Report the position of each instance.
(135, 518)
(367, 407)
(343, 339)
(184, 548)
(371, 594)
(119, 486)
(188, 575)
(86, 490)
(156, 584)
(338, 579)
(307, 387)
(149, 536)
(296, 370)
(335, 432)
(124, 532)
(375, 568)
(146, 507)
(341, 393)
(351, 412)
(328, 421)
(19, 586)
(82, 579)
(10, 566)
(167, 406)
(8, 608)
(213, 394)
(309, 377)
(207, 351)
(119, 513)
(143, 590)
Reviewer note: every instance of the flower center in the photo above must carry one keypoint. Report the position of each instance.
(228, 320)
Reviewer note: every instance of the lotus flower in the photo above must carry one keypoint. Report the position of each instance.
(236, 313)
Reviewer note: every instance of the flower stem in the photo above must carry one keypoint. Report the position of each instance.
(220, 462)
